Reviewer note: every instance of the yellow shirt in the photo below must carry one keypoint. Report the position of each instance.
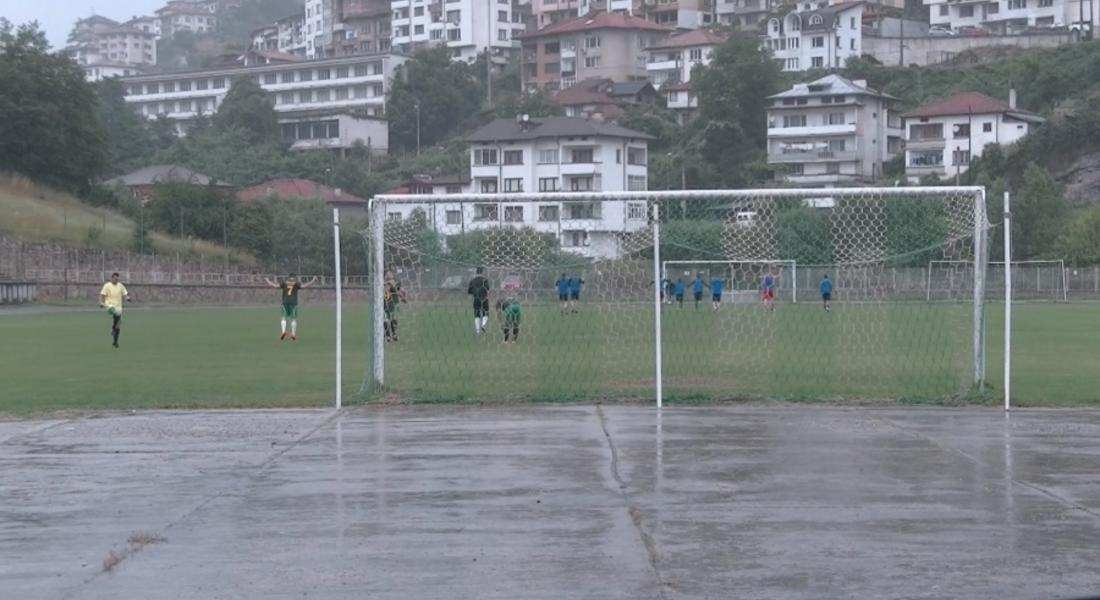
(113, 294)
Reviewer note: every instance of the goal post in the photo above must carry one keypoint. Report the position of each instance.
(1034, 280)
(552, 295)
(742, 277)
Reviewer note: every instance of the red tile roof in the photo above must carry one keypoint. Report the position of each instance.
(584, 92)
(961, 104)
(593, 21)
(296, 189)
(695, 37)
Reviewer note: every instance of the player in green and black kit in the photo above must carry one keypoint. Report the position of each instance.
(391, 295)
(288, 289)
(508, 313)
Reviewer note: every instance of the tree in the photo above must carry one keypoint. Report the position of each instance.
(48, 126)
(536, 104)
(733, 95)
(1039, 213)
(444, 93)
(128, 138)
(248, 108)
(1081, 244)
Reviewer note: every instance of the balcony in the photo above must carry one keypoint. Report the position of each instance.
(812, 156)
(824, 178)
(928, 143)
(580, 168)
(663, 65)
(811, 130)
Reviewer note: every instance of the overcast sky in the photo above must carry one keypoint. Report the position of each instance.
(57, 16)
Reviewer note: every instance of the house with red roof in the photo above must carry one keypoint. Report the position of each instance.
(598, 45)
(350, 206)
(605, 99)
(671, 61)
(942, 137)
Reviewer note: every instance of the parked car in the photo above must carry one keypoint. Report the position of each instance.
(974, 31)
(940, 31)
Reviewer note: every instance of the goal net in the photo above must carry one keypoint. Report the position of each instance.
(1032, 280)
(558, 295)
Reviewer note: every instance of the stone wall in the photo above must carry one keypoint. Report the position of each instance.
(924, 51)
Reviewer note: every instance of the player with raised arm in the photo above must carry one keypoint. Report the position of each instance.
(288, 290)
(392, 294)
(716, 284)
(767, 288)
(479, 290)
(826, 291)
(563, 292)
(111, 297)
(697, 289)
(575, 284)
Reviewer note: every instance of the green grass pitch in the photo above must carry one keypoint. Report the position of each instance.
(230, 357)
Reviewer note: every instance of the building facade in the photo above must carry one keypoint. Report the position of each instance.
(742, 14)
(1012, 16)
(363, 27)
(818, 38)
(671, 61)
(832, 131)
(195, 16)
(303, 92)
(466, 27)
(99, 41)
(597, 46)
(941, 138)
(554, 154)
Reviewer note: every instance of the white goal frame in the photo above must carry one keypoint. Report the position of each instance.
(1060, 263)
(656, 200)
(792, 263)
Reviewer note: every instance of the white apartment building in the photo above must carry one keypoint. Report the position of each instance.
(319, 24)
(312, 88)
(196, 16)
(942, 137)
(146, 24)
(292, 35)
(1012, 16)
(466, 27)
(552, 154)
(672, 60)
(832, 131)
(742, 14)
(101, 41)
(816, 38)
(100, 71)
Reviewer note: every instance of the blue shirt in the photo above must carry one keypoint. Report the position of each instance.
(679, 287)
(575, 285)
(563, 286)
(697, 285)
(716, 284)
(826, 286)
(769, 282)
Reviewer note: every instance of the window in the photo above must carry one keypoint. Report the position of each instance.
(818, 42)
(418, 29)
(1017, 4)
(987, 127)
(513, 157)
(453, 189)
(305, 97)
(930, 131)
(836, 145)
(548, 213)
(548, 157)
(152, 88)
(454, 35)
(960, 131)
(286, 77)
(591, 62)
(502, 35)
(581, 184)
(454, 17)
(832, 168)
(454, 217)
(592, 42)
(502, 16)
(269, 78)
(960, 157)
(218, 83)
(796, 169)
(341, 93)
(852, 24)
(341, 72)
(636, 156)
(551, 68)
(695, 54)
(513, 184)
(551, 48)
(185, 86)
(418, 11)
(794, 120)
(583, 155)
(360, 70)
(574, 239)
(852, 44)
(792, 64)
(548, 184)
(513, 214)
(816, 20)
(618, 156)
(436, 34)
(836, 118)
(944, 10)
(966, 11)
(486, 212)
(927, 158)
(817, 61)
(636, 183)
(485, 156)
(1046, 3)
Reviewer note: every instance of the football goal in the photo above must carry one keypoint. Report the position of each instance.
(558, 295)
(1033, 280)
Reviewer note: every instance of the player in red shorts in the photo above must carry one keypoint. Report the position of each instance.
(767, 289)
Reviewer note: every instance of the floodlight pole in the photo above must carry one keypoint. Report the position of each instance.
(1008, 304)
(339, 307)
(657, 283)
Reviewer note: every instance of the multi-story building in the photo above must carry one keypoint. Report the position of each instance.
(942, 137)
(684, 14)
(554, 154)
(146, 24)
(320, 19)
(743, 14)
(106, 48)
(363, 27)
(292, 34)
(317, 97)
(672, 59)
(599, 45)
(466, 27)
(832, 131)
(817, 38)
(97, 71)
(605, 99)
(265, 38)
(1012, 16)
(196, 16)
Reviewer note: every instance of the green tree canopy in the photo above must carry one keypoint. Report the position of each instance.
(444, 92)
(1039, 214)
(129, 141)
(247, 107)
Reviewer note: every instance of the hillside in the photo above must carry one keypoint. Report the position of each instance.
(35, 213)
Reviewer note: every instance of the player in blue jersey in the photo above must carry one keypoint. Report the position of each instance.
(563, 292)
(575, 284)
(767, 288)
(697, 289)
(669, 290)
(826, 291)
(716, 284)
(678, 289)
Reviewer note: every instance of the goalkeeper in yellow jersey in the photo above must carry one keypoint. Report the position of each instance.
(111, 297)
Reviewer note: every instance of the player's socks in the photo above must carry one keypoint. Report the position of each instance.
(282, 329)
(293, 330)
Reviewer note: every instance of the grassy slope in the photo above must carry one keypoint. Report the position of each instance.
(230, 357)
(35, 213)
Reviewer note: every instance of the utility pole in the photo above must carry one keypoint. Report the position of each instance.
(418, 128)
(489, 72)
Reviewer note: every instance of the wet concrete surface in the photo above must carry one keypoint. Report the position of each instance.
(554, 502)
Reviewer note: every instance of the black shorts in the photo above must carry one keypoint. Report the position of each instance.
(481, 308)
(716, 297)
(680, 297)
(574, 295)
(826, 297)
(563, 297)
(698, 295)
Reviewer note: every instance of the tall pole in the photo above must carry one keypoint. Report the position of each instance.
(1008, 304)
(339, 306)
(489, 70)
(657, 283)
(418, 128)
